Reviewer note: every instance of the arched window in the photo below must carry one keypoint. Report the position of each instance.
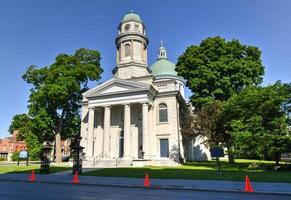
(127, 50)
(163, 113)
(127, 27)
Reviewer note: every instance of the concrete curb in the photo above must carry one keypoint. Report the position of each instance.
(152, 187)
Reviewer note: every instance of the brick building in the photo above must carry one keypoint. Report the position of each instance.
(9, 145)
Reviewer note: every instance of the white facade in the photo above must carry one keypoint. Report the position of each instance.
(133, 118)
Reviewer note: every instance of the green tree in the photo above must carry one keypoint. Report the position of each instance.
(257, 121)
(56, 93)
(218, 69)
(19, 123)
(33, 145)
(22, 123)
(204, 124)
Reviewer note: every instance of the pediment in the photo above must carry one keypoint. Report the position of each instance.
(115, 86)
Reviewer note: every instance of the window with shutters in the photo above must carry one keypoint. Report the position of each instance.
(163, 113)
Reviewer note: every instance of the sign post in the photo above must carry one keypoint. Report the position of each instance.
(217, 152)
(23, 155)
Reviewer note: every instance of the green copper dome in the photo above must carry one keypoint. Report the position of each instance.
(131, 17)
(163, 68)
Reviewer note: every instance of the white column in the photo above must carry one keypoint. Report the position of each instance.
(126, 131)
(132, 50)
(84, 126)
(145, 128)
(117, 55)
(152, 138)
(146, 55)
(142, 51)
(99, 133)
(89, 151)
(106, 133)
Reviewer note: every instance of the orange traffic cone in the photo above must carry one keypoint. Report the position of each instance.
(146, 181)
(76, 179)
(248, 187)
(32, 176)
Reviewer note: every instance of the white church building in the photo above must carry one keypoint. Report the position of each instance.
(134, 118)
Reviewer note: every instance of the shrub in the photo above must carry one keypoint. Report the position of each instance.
(34, 154)
(14, 156)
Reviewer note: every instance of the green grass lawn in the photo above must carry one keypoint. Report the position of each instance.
(201, 171)
(27, 169)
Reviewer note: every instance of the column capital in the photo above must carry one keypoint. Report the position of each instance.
(107, 106)
(98, 108)
(91, 108)
(146, 103)
(126, 105)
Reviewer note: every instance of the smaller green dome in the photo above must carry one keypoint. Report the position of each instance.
(131, 17)
(164, 67)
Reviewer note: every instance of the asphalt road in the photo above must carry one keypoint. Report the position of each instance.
(43, 191)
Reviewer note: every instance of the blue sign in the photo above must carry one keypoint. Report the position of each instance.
(217, 152)
(23, 154)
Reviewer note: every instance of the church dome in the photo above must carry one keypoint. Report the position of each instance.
(131, 17)
(163, 68)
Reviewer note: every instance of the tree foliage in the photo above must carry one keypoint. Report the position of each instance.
(218, 69)
(23, 124)
(56, 93)
(257, 121)
(204, 124)
(19, 123)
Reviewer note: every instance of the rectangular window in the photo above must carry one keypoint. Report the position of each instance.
(164, 147)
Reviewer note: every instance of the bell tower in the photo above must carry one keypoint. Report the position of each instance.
(131, 44)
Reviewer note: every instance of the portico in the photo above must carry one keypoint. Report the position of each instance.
(130, 149)
(118, 123)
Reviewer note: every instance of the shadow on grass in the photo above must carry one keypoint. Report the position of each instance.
(22, 169)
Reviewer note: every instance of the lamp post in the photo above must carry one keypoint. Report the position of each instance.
(45, 158)
(77, 153)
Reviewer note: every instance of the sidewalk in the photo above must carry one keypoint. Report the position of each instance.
(206, 185)
(69, 172)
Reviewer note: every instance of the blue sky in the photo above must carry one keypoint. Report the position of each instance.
(34, 32)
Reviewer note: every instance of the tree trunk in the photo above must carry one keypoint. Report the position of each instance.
(58, 139)
(277, 157)
(230, 155)
(231, 158)
(54, 153)
(58, 148)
